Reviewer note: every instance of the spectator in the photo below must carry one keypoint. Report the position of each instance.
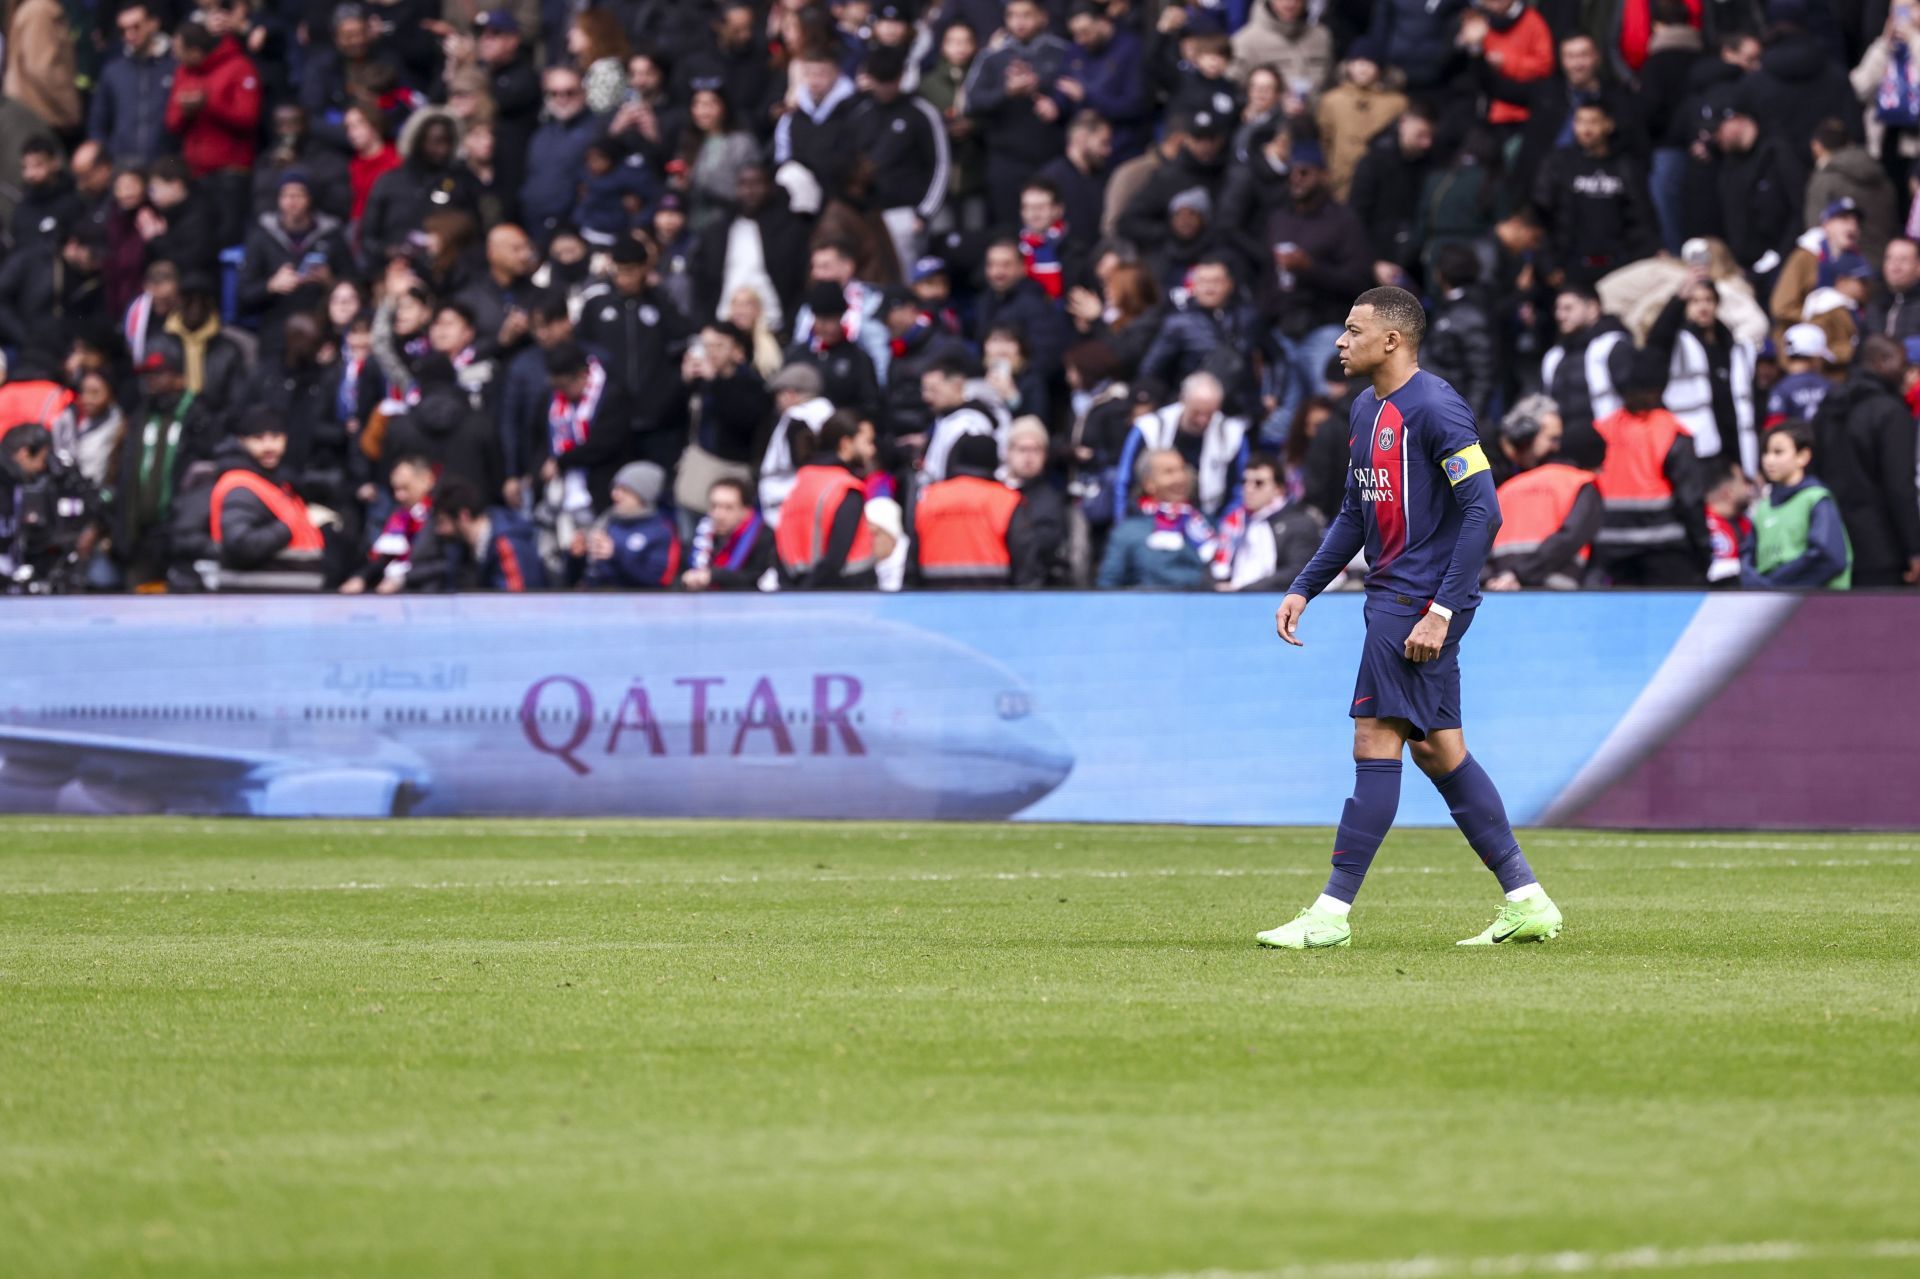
(1387, 189)
(1037, 536)
(1213, 331)
(903, 141)
(1759, 181)
(1197, 163)
(1353, 113)
(1798, 540)
(804, 410)
(261, 529)
(1270, 538)
(1584, 371)
(961, 524)
(1550, 512)
(1594, 202)
(1815, 261)
(89, 429)
(818, 134)
(589, 431)
(495, 548)
(832, 262)
(1514, 43)
(1460, 343)
(180, 226)
(34, 390)
(1709, 372)
(294, 255)
(426, 181)
(1729, 496)
(762, 246)
(1550, 105)
(642, 332)
(733, 546)
(846, 372)
(129, 112)
(1198, 431)
(1894, 311)
(1044, 245)
(41, 74)
(1012, 301)
(1280, 34)
(1109, 84)
(955, 415)
(731, 408)
(48, 206)
(891, 545)
(918, 343)
(633, 546)
(1842, 171)
(1798, 86)
(556, 157)
(1013, 91)
(60, 290)
(1864, 447)
(1167, 544)
(1654, 532)
(1809, 367)
(216, 363)
(823, 539)
(402, 555)
(1321, 260)
(1079, 177)
(295, 148)
(597, 49)
(458, 439)
(215, 112)
(49, 514)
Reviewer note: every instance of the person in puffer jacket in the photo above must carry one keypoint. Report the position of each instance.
(634, 546)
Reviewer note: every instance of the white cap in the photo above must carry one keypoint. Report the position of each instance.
(1809, 340)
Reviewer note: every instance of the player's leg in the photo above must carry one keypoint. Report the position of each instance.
(1364, 823)
(1477, 809)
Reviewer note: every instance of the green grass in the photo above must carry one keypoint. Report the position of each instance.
(470, 1049)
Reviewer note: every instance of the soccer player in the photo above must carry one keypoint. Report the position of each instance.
(1421, 500)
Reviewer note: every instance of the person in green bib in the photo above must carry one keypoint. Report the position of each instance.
(1799, 541)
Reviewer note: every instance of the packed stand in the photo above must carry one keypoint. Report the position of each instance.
(702, 295)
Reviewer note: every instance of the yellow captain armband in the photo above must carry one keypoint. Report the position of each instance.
(1470, 460)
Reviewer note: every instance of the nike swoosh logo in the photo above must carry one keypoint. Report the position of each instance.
(1362, 700)
(1500, 937)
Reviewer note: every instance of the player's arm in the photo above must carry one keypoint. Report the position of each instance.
(1345, 536)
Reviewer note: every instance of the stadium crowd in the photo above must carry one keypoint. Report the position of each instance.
(711, 295)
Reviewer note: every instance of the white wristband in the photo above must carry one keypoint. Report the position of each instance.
(1441, 611)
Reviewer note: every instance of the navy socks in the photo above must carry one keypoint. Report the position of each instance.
(1475, 804)
(1366, 821)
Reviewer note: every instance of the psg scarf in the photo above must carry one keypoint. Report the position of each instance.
(570, 422)
(733, 553)
(396, 535)
(1042, 253)
(1179, 517)
(904, 343)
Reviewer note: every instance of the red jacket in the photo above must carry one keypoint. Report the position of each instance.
(223, 133)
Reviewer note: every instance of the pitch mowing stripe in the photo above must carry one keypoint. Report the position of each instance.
(929, 877)
(1576, 1263)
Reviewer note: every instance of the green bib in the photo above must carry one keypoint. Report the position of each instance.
(1780, 533)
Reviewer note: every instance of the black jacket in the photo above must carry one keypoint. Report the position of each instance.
(783, 243)
(271, 246)
(1797, 86)
(1460, 347)
(1864, 453)
(846, 374)
(251, 537)
(145, 485)
(401, 200)
(1387, 186)
(1026, 307)
(516, 93)
(38, 290)
(904, 144)
(328, 179)
(448, 431)
(1597, 211)
(298, 398)
(44, 214)
(904, 411)
(1760, 194)
(1340, 266)
(643, 335)
(1582, 446)
(192, 238)
(1144, 221)
(1037, 535)
(1549, 105)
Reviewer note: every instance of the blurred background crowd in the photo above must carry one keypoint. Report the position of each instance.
(423, 295)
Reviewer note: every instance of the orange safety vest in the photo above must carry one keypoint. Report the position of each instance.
(286, 508)
(35, 401)
(961, 525)
(806, 520)
(1534, 505)
(1634, 475)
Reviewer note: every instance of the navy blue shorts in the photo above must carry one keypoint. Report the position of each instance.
(1426, 694)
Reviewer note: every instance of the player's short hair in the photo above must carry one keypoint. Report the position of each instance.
(1398, 310)
(1801, 433)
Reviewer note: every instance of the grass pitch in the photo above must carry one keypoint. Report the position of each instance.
(439, 1048)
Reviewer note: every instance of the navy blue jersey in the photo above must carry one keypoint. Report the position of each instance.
(1419, 499)
(1797, 397)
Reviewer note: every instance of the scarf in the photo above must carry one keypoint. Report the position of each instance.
(1897, 102)
(733, 553)
(1041, 250)
(570, 422)
(1181, 518)
(139, 315)
(906, 341)
(347, 405)
(396, 535)
(159, 444)
(195, 343)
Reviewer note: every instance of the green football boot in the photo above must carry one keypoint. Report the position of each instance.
(1310, 930)
(1535, 919)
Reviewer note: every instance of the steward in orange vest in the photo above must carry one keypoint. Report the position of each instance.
(823, 539)
(961, 524)
(1549, 515)
(259, 526)
(1655, 529)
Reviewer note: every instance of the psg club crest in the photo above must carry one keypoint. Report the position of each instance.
(1456, 469)
(1385, 439)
